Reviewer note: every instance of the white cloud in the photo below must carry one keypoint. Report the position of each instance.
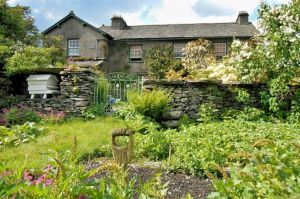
(36, 11)
(12, 2)
(135, 18)
(50, 15)
(179, 11)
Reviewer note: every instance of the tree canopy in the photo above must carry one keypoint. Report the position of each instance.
(272, 57)
(19, 39)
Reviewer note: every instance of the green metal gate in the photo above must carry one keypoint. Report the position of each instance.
(115, 86)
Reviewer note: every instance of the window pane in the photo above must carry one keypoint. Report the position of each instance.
(178, 50)
(136, 52)
(220, 50)
(73, 47)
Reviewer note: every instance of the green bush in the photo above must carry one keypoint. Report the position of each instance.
(33, 58)
(21, 115)
(94, 111)
(8, 101)
(155, 145)
(159, 59)
(153, 104)
(241, 95)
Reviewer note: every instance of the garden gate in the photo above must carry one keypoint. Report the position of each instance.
(114, 87)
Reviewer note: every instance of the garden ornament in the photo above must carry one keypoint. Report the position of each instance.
(122, 155)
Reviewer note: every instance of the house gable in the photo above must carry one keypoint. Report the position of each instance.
(72, 15)
(79, 37)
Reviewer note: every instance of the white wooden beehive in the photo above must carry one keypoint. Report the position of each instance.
(42, 84)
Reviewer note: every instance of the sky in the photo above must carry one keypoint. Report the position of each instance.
(138, 12)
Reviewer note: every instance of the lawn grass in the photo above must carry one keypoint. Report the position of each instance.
(89, 134)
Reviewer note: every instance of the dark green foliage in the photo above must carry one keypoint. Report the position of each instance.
(9, 101)
(16, 23)
(21, 115)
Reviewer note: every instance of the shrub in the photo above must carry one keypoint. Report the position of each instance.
(155, 145)
(160, 59)
(21, 115)
(153, 104)
(33, 58)
(241, 95)
(93, 111)
(198, 54)
(8, 101)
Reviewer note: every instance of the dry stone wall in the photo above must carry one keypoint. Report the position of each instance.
(77, 93)
(187, 96)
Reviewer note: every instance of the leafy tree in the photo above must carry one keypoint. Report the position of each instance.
(18, 42)
(32, 58)
(198, 54)
(273, 56)
(16, 23)
(159, 59)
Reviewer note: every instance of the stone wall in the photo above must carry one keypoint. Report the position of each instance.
(188, 95)
(77, 93)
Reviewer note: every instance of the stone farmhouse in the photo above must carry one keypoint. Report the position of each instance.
(120, 47)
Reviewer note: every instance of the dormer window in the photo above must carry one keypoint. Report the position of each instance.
(73, 47)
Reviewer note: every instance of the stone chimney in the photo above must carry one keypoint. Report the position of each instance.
(243, 18)
(117, 22)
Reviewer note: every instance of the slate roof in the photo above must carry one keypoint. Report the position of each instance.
(181, 31)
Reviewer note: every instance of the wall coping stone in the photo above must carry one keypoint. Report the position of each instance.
(197, 82)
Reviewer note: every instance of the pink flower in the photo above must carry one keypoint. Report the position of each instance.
(27, 176)
(48, 182)
(82, 196)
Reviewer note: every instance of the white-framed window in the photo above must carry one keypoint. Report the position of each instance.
(220, 50)
(178, 50)
(136, 53)
(73, 47)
